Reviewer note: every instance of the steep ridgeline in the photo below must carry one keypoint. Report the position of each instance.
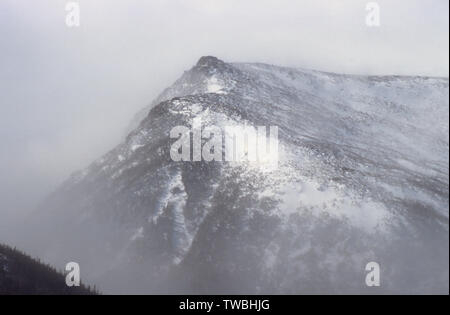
(362, 176)
(22, 275)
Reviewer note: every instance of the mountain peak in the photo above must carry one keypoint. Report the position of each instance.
(210, 65)
(209, 61)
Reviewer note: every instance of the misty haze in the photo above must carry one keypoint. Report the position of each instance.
(97, 96)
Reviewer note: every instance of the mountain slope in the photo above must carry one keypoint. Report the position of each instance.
(20, 274)
(362, 176)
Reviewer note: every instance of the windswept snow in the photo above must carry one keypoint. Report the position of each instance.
(213, 86)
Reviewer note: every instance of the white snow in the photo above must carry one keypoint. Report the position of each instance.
(175, 198)
(214, 86)
(136, 146)
(138, 234)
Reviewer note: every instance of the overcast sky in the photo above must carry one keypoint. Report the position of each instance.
(67, 94)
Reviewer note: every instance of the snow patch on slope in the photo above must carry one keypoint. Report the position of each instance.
(337, 201)
(214, 86)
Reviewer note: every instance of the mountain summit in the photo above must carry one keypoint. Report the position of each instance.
(210, 62)
(363, 170)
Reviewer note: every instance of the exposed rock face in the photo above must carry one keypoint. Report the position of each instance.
(362, 176)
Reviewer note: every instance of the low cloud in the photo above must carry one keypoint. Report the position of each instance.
(68, 94)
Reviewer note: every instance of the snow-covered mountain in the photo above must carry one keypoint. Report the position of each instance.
(363, 176)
